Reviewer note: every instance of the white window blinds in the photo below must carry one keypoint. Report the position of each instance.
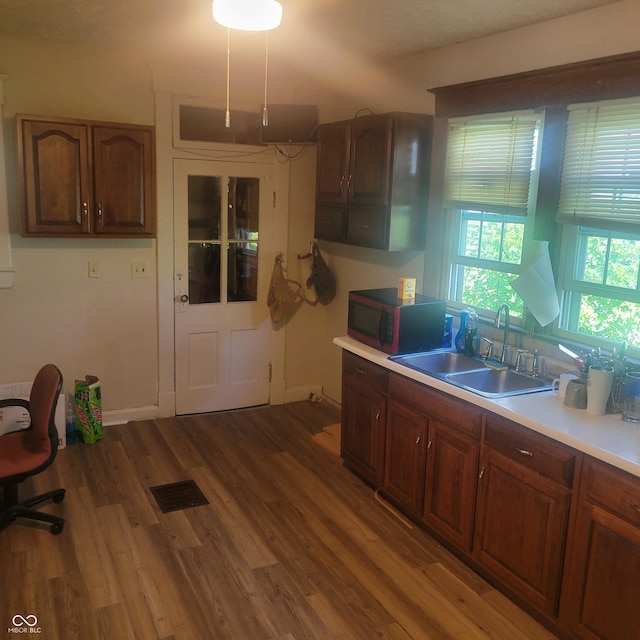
(489, 162)
(601, 169)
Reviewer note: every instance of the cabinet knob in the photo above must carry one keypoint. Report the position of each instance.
(184, 298)
(85, 209)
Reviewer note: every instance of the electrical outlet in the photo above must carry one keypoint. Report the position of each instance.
(139, 269)
(94, 269)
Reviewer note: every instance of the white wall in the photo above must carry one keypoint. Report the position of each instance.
(105, 326)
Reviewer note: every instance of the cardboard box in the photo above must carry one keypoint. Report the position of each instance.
(407, 288)
(88, 408)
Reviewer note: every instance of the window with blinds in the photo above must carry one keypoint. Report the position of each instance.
(600, 184)
(492, 161)
(489, 162)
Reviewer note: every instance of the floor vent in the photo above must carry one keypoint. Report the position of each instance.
(178, 495)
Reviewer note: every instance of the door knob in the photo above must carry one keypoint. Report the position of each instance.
(184, 298)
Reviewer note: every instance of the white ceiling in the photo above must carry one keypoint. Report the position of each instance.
(183, 31)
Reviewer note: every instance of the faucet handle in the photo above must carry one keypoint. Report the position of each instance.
(489, 352)
(519, 366)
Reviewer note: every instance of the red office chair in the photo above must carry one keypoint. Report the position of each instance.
(29, 451)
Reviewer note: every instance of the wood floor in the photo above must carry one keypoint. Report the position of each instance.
(291, 545)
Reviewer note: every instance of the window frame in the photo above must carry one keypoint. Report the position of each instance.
(553, 89)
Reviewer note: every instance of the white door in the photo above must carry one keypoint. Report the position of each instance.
(224, 223)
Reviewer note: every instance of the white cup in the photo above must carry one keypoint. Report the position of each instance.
(598, 390)
(559, 385)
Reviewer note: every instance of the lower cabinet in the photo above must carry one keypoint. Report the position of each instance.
(553, 528)
(405, 455)
(602, 596)
(364, 410)
(522, 518)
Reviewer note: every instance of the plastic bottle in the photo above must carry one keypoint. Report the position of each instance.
(462, 330)
(471, 334)
(70, 420)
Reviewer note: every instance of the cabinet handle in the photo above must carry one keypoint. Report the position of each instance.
(362, 372)
(418, 439)
(378, 415)
(634, 506)
(349, 191)
(364, 226)
(341, 184)
(481, 474)
(85, 209)
(100, 212)
(523, 452)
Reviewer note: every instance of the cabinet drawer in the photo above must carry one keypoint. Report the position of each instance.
(613, 489)
(532, 450)
(330, 223)
(368, 372)
(367, 226)
(455, 413)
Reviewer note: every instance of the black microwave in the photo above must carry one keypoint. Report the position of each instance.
(377, 317)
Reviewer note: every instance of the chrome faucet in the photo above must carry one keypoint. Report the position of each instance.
(505, 340)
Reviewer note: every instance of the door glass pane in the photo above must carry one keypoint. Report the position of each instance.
(243, 208)
(243, 271)
(204, 272)
(242, 258)
(205, 216)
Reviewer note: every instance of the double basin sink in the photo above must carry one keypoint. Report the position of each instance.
(472, 374)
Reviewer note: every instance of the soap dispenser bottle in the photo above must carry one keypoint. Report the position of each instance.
(462, 330)
(471, 334)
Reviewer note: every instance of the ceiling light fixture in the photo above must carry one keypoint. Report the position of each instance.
(248, 15)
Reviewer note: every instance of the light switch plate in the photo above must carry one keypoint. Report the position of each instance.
(94, 269)
(139, 269)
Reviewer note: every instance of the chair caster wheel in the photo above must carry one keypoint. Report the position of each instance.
(56, 529)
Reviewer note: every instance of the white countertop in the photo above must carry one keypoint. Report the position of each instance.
(607, 438)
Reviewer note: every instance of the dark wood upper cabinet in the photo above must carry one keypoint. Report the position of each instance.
(82, 178)
(372, 181)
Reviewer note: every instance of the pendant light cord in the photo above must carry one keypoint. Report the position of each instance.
(265, 113)
(227, 116)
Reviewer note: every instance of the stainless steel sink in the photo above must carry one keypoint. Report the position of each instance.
(439, 363)
(472, 374)
(497, 384)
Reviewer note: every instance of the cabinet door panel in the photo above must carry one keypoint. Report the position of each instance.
(601, 599)
(452, 463)
(370, 170)
(56, 176)
(521, 526)
(363, 428)
(333, 163)
(610, 608)
(123, 186)
(405, 456)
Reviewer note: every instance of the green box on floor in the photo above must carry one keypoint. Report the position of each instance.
(88, 408)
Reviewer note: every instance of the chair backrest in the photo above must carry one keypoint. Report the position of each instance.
(43, 435)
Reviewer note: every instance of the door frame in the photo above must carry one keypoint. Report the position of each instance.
(165, 82)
